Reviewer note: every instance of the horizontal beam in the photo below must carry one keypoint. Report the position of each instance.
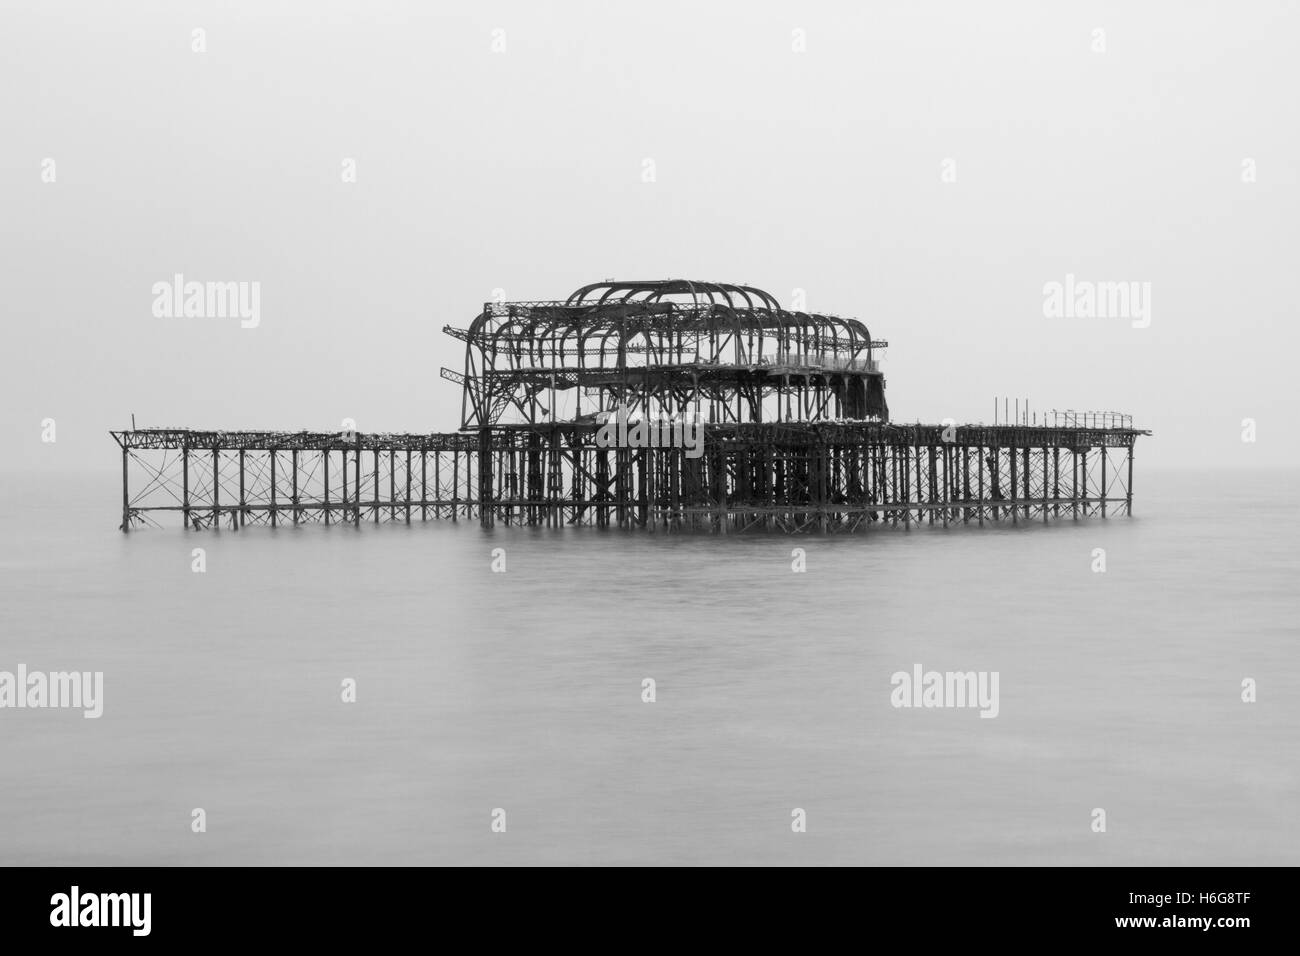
(582, 433)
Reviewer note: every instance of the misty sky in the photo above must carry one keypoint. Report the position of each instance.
(523, 170)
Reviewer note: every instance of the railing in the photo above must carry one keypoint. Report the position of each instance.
(821, 360)
(1072, 419)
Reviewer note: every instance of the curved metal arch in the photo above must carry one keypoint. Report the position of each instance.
(615, 325)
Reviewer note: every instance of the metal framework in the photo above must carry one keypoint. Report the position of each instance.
(666, 349)
(795, 435)
(828, 477)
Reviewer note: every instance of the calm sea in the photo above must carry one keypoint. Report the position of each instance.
(523, 690)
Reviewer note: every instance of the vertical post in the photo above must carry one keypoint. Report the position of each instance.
(557, 467)
(600, 487)
(944, 489)
(891, 478)
(375, 468)
(343, 462)
(674, 487)
(424, 482)
(293, 463)
(455, 482)
(965, 483)
(1083, 478)
(326, 493)
(484, 477)
(1081, 481)
(1074, 483)
(126, 494)
(1128, 495)
(906, 453)
(437, 485)
(356, 482)
(1046, 486)
(273, 505)
(185, 483)
(1056, 480)
(242, 502)
(408, 485)
(532, 477)
(1028, 494)
(622, 483)
(726, 494)
(933, 483)
(645, 477)
(1105, 454)
(1014, 490)
(216, 488)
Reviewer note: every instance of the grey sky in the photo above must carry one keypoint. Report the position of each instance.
(523, 170)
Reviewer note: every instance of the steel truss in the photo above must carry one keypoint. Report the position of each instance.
(783, 477)
(675, 348)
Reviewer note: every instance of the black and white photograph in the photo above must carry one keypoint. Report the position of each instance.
(677, 435)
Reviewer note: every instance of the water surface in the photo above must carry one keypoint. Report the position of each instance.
(479, 690)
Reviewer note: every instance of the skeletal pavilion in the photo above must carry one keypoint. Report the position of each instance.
(791, 406)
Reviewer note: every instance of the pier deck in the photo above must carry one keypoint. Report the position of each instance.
(824, 476)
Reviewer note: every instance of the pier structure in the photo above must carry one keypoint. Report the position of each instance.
(790, 409)
(828, 477)
(668, 349)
